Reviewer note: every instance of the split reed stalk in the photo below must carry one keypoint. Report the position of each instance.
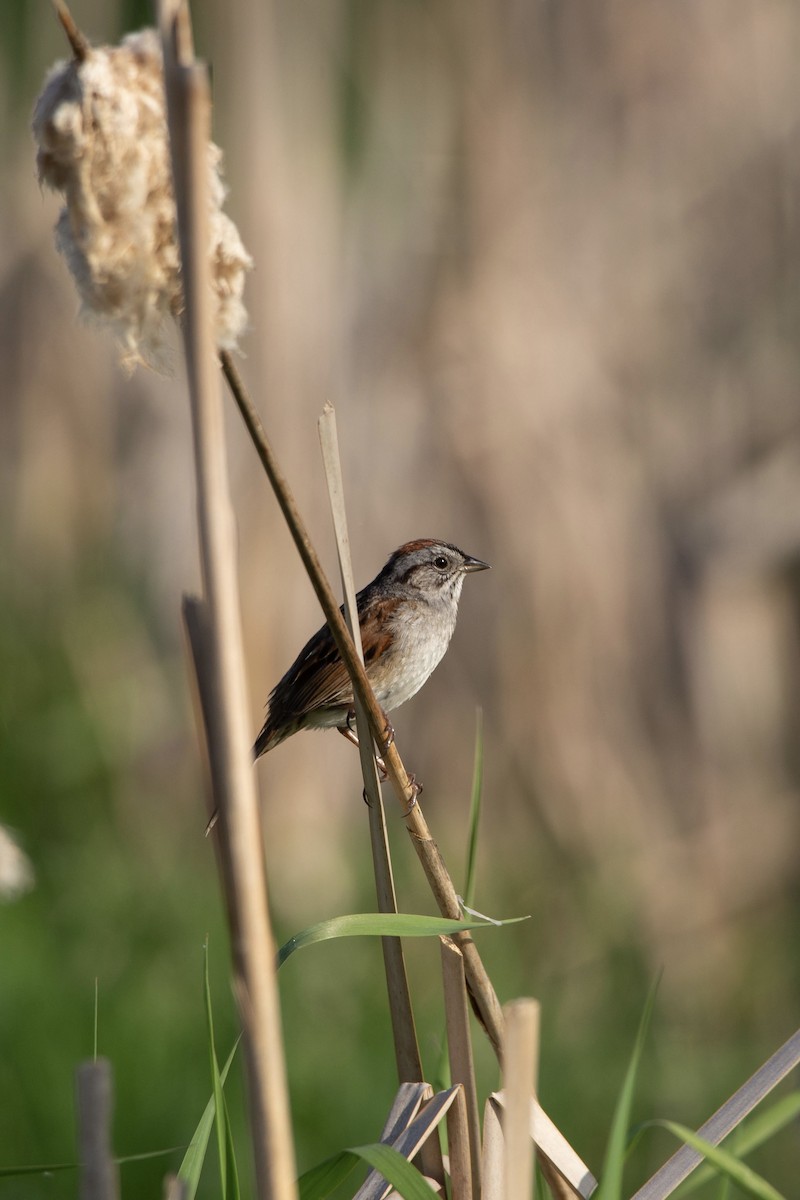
(189, 120)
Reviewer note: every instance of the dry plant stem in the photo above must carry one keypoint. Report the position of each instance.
(78, 42)
(458, 1144)
(492, 1181)
(481, 989)
(724, 1120)
(188, 107)
(520, 1069)
(559, 1188)
(175, 1188)
(409, 1065)
(99, 1175)
(459, 1048)
(404, 1034)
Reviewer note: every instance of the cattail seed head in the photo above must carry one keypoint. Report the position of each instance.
(100, 125)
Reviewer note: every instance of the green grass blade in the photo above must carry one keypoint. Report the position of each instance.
(396, 1170)
(229, 1176)
(610, 1187)
(43, 1169)
(318, 1182)
(755, 1133)
(381, 925)
(743, 1176)
(474, 812)
(192, 1165)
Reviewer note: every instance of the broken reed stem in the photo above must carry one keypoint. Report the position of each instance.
(481, 990)
(99, 1173)
(462, 1178)
(79, 43)
(409, 1063)
(520, 1070)
(459, 1050)
(255, 985)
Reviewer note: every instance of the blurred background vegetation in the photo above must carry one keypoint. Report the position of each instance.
(545, 259)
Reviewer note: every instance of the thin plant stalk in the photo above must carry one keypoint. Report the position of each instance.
(409, 1064)
(99, 1174)
(459, 1048)
(404, 1034)
(483, 995)
(189, 119)
(520, 1070)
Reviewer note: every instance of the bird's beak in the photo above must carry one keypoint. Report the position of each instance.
(475, 564)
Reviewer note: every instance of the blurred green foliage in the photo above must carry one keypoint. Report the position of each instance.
(126, 892)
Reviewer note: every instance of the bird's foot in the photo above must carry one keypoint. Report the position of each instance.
(416, 792)
(388, 734)
(348, 729)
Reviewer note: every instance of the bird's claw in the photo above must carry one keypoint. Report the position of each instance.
(388, 734)
(416, 792)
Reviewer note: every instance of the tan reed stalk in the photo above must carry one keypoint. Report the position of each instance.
(77, 40)
(459, 1049)
(409, 1064)
(98, 1171)
(492, 1181)
(458, 1146)
(175, 1188)
(520, 1070)
(188, 110)
(481, 990)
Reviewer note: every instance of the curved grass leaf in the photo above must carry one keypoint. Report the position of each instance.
(474, 812)
(723, 1161)
(750, 1136)
(610, 1187)
(192, 1164)
(381, 925)
(229, 1176)
(47, 1169)
(52, 1168)
(396, 1170)
(318, 1182)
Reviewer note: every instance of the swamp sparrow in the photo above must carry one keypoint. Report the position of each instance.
(407, 616)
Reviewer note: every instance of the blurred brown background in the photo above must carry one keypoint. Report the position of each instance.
(544, 258)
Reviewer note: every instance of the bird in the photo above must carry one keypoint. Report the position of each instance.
(406, 615)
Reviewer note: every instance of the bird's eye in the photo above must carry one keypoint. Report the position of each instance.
(440, 562)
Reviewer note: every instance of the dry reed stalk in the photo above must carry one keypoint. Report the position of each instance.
(724, 1120)
(409, 1139)
(462, 1177)
(482, 992)
(520, 1071)
(566, 1174)
(99, 1174)
(409, 1064)
(175, 1188)
(77, 40)
(188, 111)
(492, 1181)
(459, 1049)
(404, 1034)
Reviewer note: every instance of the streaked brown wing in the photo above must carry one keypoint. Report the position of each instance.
(318, 678)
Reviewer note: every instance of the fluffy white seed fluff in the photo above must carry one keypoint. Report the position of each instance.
(16, 872)
(101, 130)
